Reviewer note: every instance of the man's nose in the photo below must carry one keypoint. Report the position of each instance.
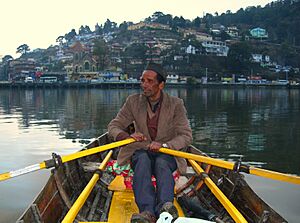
(144, 84)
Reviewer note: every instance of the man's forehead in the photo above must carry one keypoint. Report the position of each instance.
(149, 74)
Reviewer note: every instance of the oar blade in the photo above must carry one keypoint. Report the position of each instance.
(19, 172)
(274, 175)
(4, 176)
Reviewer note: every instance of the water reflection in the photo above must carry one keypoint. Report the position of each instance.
(260, 125)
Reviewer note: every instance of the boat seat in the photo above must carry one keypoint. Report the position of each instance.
(123, 204)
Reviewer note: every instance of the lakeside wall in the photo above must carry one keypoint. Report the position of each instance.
(132, 85)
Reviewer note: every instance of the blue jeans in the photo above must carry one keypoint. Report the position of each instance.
(145, 164)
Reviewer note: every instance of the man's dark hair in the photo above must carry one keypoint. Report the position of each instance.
(160, 78)
(157, 68)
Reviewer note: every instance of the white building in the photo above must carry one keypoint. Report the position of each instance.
(217, 48)
(190, 50)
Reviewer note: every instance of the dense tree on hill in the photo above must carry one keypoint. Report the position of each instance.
(281, 19)
(84, 30)
(123, 26)
(161, 18)
(98, 29)
(109, 26)
(60, 39)
(136, 50)
(196, 22)
(70, 35)
(5, 67)
(23, 49)
(101, 52)
(239, 57)
(179, 22)
(7, 58)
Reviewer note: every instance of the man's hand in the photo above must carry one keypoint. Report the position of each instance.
(154, 146)
(139, 137)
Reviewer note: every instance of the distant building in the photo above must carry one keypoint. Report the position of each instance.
(259, 33)
(148, 25)
(198, 35)
(84, 63)
(260, 58)
(190, 50)
(172, 78)
(21, 68)
(217, 48)
(232, 31)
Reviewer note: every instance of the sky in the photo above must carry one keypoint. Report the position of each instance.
(38, 23)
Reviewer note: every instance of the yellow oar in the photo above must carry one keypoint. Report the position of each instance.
(56, 160)
(231, 209)
(72, 213)
(234, 166)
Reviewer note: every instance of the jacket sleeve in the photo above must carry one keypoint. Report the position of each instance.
(123, 119)
(183, 133)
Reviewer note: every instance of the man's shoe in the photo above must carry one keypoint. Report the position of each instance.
(144, 217)
(170, 208)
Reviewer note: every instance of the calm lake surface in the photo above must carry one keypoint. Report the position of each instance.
(260, 125)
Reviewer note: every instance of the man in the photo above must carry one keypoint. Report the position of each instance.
(160, 121)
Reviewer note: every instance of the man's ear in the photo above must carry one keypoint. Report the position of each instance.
(161, 85)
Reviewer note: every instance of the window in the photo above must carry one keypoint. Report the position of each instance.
(86, 65)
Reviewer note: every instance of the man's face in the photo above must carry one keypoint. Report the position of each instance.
(150, 85)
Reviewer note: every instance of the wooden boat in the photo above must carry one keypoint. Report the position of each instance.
(109, 201)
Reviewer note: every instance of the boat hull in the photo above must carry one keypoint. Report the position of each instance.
(69, 179)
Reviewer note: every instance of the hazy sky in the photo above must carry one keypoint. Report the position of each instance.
(39, 22)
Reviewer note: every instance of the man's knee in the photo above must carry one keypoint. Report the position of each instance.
(141, 158)
(165, 162)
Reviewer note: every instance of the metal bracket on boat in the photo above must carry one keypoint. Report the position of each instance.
(54, 162)
(239, 167)
(203, 175)
(99, 172)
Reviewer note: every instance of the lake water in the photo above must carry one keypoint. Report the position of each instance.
(259, 125)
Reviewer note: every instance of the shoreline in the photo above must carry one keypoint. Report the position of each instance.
(133, 85)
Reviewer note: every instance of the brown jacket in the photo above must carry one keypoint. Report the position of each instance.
(173, 126)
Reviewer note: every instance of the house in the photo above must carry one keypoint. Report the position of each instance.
(178, 57)
(21, 68)
(217, 29)
(172, 78)
(198, 35)
(259, 33)
(190, 50)
(152, 25)
(260, 58)
(217, 48)
(232, 31)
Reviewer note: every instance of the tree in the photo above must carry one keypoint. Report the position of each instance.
(5, 66)
(165, 19)
(123, 26)
(60, 39)
(7, 58)
(70, 35)
(84, 30)
(196, 22)
(23, 49)
(136, 50)
(101, 52)
(98, 29)
(109, 26)
(238, 57)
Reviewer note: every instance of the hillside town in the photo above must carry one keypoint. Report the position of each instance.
(111, 53)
